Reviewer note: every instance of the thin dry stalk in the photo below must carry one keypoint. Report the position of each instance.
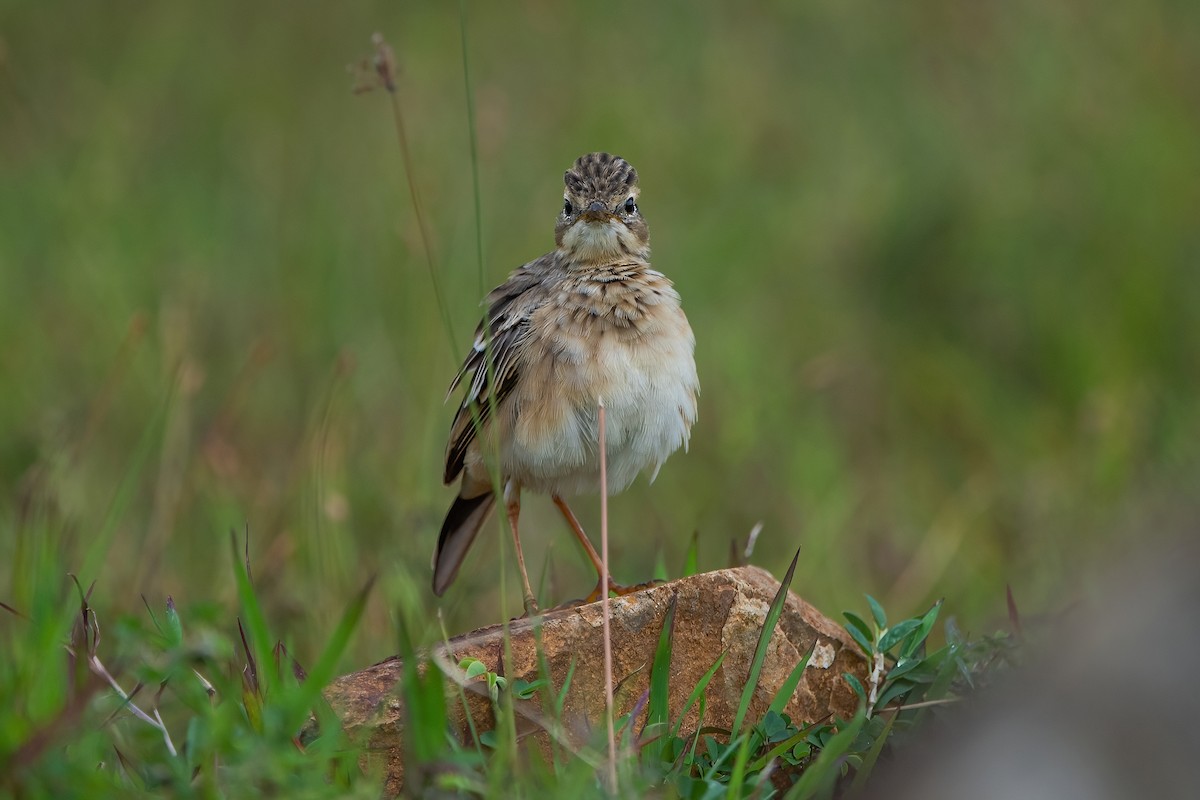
(155, 722)
(608, 671)
(386, 68)
(944, 701)
(752, 540)
(878, 672)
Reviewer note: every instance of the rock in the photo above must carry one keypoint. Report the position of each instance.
(715, 612)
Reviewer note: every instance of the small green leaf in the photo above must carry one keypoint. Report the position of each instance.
(720, 753)
(473, 667)
(892, 636)
(926, 669)
(691, 788)
(174, 628)
(856, 685)
(784, 750)
(877, 612)
(774, 728)
(894, 691)
(819, 736)
(922, 634)
(859, 631)
(526, 690)
(940, 685)
(496, 684)
(903, 667)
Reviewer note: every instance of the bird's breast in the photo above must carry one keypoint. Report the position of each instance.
(626, 343)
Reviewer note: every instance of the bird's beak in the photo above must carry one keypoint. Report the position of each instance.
(596, 212)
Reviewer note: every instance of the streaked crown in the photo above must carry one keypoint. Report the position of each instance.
(597, 176)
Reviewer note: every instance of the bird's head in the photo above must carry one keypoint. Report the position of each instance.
(600, 220)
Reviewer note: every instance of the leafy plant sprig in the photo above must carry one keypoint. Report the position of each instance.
(896, 655)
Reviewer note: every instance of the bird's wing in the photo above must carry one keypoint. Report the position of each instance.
(495, 360)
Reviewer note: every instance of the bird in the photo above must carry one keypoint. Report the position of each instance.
(590, 322)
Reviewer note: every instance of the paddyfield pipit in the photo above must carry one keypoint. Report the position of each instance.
(589, 322)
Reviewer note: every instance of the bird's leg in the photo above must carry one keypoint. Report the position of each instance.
(577, 529)
(593, 556)
(512, 503)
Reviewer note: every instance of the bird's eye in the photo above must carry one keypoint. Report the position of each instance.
(630, 206)
(567, 207)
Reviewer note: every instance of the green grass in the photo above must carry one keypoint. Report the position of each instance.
(189, 700)
(941, 261)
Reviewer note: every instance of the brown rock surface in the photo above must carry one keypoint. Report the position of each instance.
(715, 612)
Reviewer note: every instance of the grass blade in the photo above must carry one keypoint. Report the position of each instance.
(660, 669)
(255, 621)
(760, 655)
(323, 671)
(864, 770)
(777, 705)
(739, 741)
(779, 749)
(424, 704)
(698, 694)
(737, 776)
(760, 650)
(823, 771)
(788, 687)
(692, 560)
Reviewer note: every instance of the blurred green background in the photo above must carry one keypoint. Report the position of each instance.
(941, 259)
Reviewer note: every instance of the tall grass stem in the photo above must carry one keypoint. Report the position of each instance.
(473, 140)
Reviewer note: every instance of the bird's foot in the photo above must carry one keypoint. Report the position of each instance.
(617, 589)
(531, 607)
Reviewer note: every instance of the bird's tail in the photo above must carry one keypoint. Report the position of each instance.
(463, 521)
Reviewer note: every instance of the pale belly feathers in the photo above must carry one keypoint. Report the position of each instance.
(649, 388)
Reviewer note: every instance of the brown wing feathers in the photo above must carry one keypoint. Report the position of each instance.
(477, 406)
(495, 362)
